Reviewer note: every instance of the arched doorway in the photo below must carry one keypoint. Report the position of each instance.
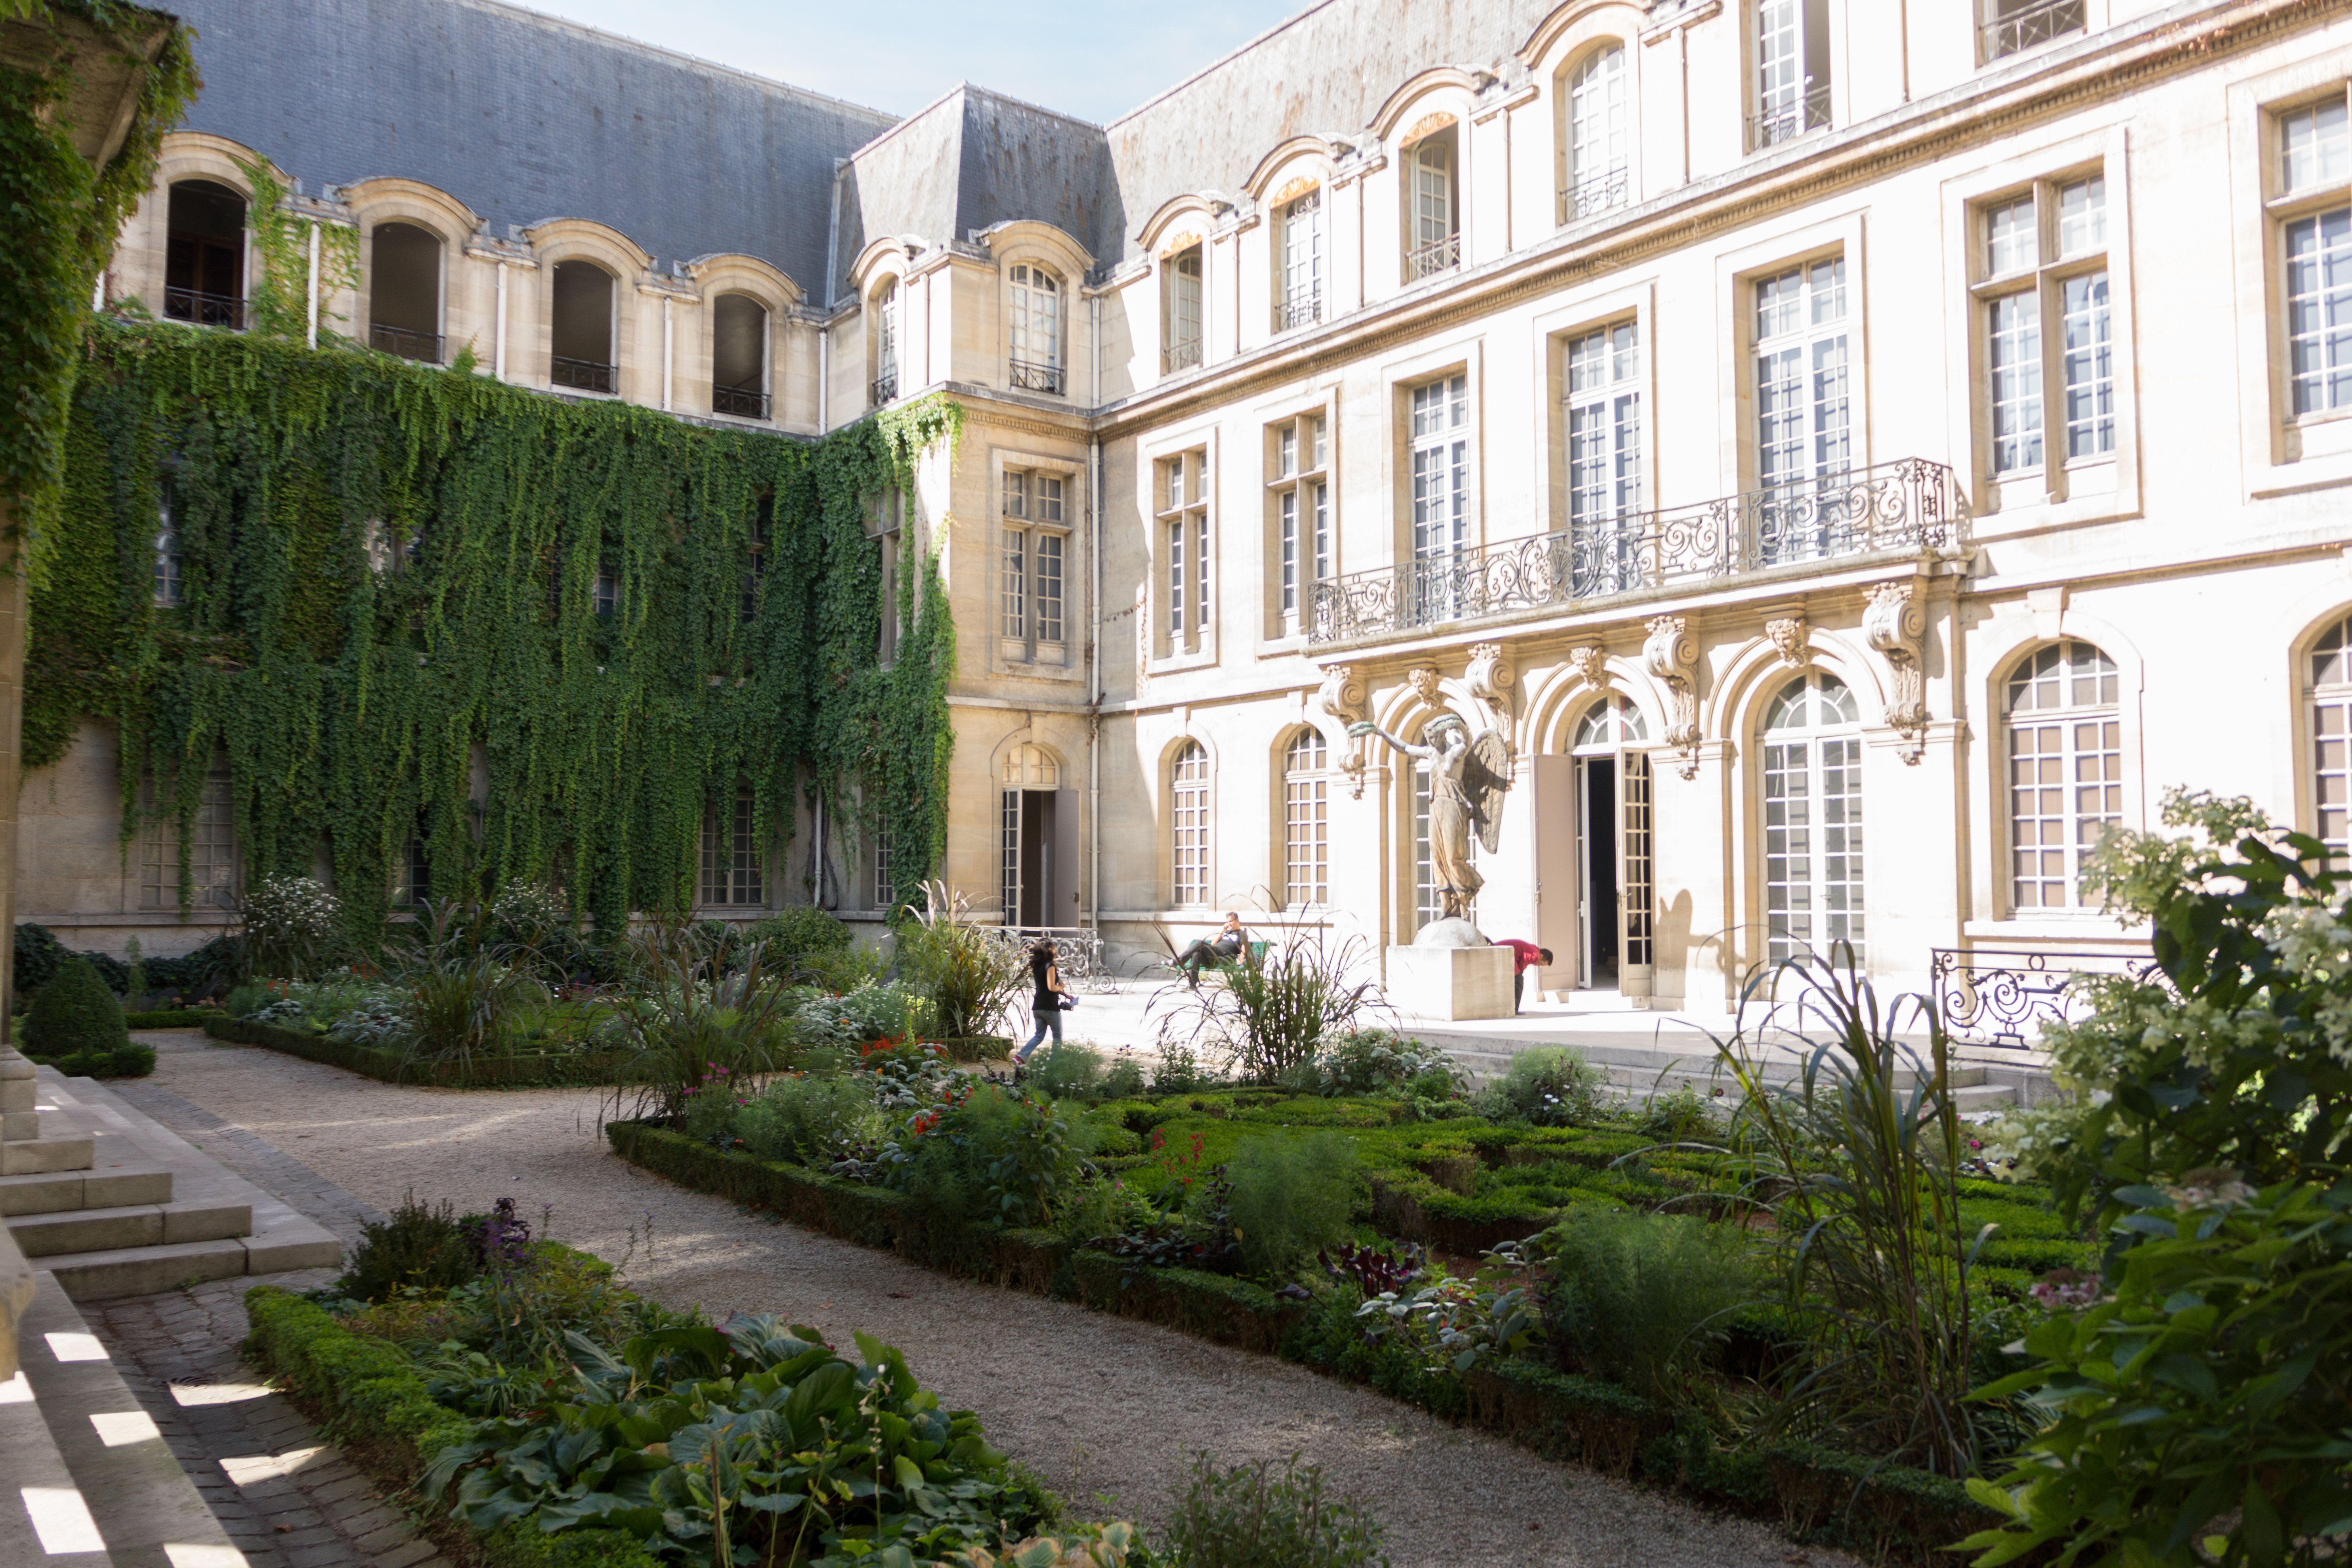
(1039, 841)
(1593, 831)
(1811, 755)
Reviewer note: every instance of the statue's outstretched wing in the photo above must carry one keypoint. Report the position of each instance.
(1484, 777)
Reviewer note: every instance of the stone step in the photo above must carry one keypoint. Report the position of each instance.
(130, 1224)
(145, 1509)
(109, 1188)
(145, 1270)
(43, 1518)
(1971, 1091)
(51, 1151)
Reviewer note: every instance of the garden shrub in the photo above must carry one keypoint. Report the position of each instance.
(801, 930)
(38, 954)
(855, 1016)
(293, 927)
(1289, 1197)
(1368, 1061)
(75, 1016)
(1179, 1070)
(131, 1060)
(1254, 1515)
(1065, 1070)
(1273, 1008)
(810, 1119)
(1642, 1299)
(1548, 1086)
(418, 1245)
(246, 1000)
(965, 977)
(1006, 1158)
(1123, 1080)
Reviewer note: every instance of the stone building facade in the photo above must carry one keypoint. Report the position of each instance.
(1853, 453)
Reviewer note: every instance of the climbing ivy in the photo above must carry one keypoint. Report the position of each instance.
(390, 580)
(279, 303)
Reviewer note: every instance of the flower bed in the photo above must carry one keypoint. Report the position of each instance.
(534, 1071)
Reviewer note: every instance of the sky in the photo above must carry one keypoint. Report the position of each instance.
(1093, 58)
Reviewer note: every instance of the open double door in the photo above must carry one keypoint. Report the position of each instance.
(1594, 896)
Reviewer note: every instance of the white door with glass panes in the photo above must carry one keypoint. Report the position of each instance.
(1803, 441)
(1594, 834)
(1812, 759)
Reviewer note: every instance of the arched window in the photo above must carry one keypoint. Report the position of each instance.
(203, 255)
(1597, 136)
(1188, 817)
(2065, 771)
(1306, 826)
(405, 291)
(739, 356)
(1183, 325)
(885, 344)
(1433, 205)
(580, 328)
(2331, 735)
(1031, 808)
(1812, 821)
(1037, 330)
(1298, 297)
(1615, 922)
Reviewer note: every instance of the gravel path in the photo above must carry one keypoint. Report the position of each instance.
(1103, 1407)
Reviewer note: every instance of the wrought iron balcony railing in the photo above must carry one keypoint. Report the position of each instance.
(407, 344)
(885, 388)
(1437, 256)
(1595, 194)
(1906, 505)
(1183, 354)
(204, 309)
(1299, 310)
(2027, 26)
(2002, 998)
(1030, 376)
(582, 375)
(1788, 119)
(743, 402)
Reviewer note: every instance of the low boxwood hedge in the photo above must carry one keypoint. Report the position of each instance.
(532, 1071)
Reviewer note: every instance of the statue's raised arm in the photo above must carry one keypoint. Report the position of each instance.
(1366, 727)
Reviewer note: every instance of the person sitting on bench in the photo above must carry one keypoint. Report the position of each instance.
(1223, 948)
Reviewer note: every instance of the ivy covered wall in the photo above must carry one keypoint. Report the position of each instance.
(384, 568)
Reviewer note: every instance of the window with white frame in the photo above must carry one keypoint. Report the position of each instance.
(2313, 208)
(1298, 302)
(1602, 373)
(2041, 259)
(885, 882)
(1306, 821)
(1188, 817)
(1298, 488)
(169, 587)
(1598, 144)
(2013, 27)
(1181, 488)
(1035, 534)
(1183, 325)
(1440, 445)
(885, 344)
(2329, 701)
(1802, 410)
(1433, 206)
(209, 844)
(2064, 733)
(1812, 821)
(1037, 330)
(1792, 70)
(731, 854)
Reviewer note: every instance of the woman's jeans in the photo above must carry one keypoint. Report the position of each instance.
(1048, 1018)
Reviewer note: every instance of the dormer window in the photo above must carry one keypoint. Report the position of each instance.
(1299, 267)
(739, 357)
(1036, 334)
(885, 344)
(1183, 283)
(1792, 66)
(1434, 211)
(2013, 27)
(1597, 136)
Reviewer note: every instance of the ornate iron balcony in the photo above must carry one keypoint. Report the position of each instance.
(1184, 355)
(407, 344)
(2032, 24)
(1437, 256)
(743, 402)
(1301, 310)
(1787, 120)
(885, 388)
(1907, 505)
(2002, 998)
(582, 375)
(1030, 376)
(1599, 192)
(204, 309)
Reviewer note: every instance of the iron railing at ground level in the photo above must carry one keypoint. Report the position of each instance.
(1078, 952)
(2029, 26)
(407, 344)
(1031, 376)
(1907, 505)
(582, 375)
(204, 309)
(1789, 118)
(2002, 998)
(1437, 256)
(741, 402)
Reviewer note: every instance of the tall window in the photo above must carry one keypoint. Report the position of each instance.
(210, 846)
(1441, 493)
(1037, 330)
(885, 344)
(731, 854)
(890, 529)
(1306, 826)
(2065, 771)
(1037, 541)
(1433, 243)
(885, 880)
(739, 356)
(1182, 489)
(1187, 815)
(1812, 821)
(580, 326)
(411, 873)
(1033, 780)
(405, 291)
(1597, 137)
(1184, 350)
(2314, 200)
(1298, 483)
(2013, 26)
(755, 560)
(2331, 736)
(1299, 302)
(203, 255)
(2044, 258)
(1604, 458)
(1801, 413)
(1792, 70)
(169, 586)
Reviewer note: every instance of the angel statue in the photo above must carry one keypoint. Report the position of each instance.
(1466, 781)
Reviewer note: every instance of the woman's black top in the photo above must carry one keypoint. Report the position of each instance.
(1041, 965)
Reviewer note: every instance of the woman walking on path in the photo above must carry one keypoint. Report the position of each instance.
(1045, 1002)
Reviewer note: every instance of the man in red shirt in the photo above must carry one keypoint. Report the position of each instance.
(1524, 955)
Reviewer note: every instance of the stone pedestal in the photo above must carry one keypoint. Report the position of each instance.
(1450, 983)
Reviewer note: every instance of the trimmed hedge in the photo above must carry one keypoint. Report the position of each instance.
(171, 1018)
(388, 1423)
(393, 1067)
